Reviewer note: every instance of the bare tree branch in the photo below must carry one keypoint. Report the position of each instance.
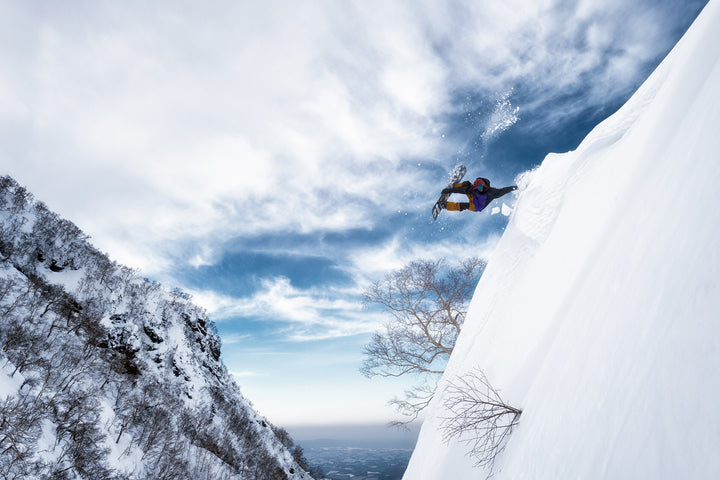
(478, 417)
(427, 303)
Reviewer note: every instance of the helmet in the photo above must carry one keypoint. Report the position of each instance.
(481, 183)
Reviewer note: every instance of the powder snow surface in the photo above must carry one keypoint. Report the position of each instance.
(599, 312)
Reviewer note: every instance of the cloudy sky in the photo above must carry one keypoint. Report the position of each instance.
(275, 158)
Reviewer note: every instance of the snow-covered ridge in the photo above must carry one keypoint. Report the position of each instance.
(106, 375)
(598, 314)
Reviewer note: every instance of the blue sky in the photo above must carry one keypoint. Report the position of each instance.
(275, 158)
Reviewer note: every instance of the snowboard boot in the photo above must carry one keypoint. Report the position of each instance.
(464, 187)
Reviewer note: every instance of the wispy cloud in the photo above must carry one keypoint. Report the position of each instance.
(246, 374)
(234, 338)
(237, 118)
(301, 314)
(372, 263)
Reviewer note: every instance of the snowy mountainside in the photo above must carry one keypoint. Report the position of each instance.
(598, 314)
(106, 375)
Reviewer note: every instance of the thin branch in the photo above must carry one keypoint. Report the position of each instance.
(478, 418)
(427, 303)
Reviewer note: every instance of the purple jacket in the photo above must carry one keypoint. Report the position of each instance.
(479, 200)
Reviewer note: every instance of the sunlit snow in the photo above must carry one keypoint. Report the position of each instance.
(598, 312)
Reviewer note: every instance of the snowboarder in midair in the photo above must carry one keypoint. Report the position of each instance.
(479, 194)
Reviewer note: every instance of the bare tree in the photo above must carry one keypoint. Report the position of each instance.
(20, 428)
(478, 417)
(427, 302)
(414, 402)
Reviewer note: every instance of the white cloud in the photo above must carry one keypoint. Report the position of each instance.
(189, 122)
(370, 264)
(305, 314)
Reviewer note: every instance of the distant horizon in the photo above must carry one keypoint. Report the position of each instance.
(358, 435)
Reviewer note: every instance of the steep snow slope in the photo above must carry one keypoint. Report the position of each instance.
(599, 312)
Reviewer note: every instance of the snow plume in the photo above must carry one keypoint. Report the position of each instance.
(597, 314)
(504, 116)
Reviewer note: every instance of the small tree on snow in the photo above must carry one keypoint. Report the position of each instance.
(478, 417)
(427, 302)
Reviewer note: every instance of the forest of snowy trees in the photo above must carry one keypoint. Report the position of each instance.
(106, 375)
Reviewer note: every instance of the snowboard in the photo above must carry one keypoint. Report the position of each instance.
(455, 176)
